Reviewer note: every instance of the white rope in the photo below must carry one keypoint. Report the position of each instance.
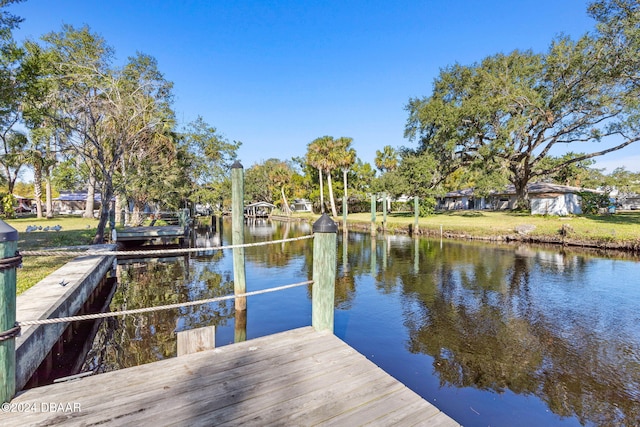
(158, 308)
(54, 252)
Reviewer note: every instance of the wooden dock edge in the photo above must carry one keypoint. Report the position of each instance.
(297, 377)
(60, 294)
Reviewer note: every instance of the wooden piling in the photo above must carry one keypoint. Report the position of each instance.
(240, 327)
(195, 340)
(324, 273)
(373, 215)
(416, 213)
(384, 211)
(8, 250)
(237, 233)
(345, 208)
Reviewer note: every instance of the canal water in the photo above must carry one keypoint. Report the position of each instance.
(492, 334)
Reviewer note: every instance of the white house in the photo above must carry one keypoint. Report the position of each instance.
(546, 199)
(302, 205)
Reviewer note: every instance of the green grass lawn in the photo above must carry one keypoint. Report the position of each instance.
(75, 231)
(622, 227)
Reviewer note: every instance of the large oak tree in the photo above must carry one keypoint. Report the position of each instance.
(509, 111)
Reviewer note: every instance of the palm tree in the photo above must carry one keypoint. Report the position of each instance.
(346, 159)
(387, 159)
(332, 161)
(317, 158)
(281, 175)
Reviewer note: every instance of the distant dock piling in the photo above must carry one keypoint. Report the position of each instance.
(373, 215)
(237, 233)
(8, 330)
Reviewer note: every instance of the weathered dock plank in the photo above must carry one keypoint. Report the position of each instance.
(299, 377)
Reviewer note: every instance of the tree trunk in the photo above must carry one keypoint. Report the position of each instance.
(91, 192)
(321, 192)
(333, 202)
(47, 184)
(344, 181)
(522, 195)
(118, 207)
(137, 218)
(286, 209)
(106, 195)
(37, 187)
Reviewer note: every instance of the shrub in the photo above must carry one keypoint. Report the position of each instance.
(427, 206)
(592, 202)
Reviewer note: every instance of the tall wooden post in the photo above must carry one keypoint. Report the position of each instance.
(237, 233)
(240, 326)
(373, 215)
(416, 213)
(345, 207)
(324, 273)
(8, 247)
(384, 211)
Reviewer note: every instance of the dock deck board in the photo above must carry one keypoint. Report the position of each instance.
(298, 377)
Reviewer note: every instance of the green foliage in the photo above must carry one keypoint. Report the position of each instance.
(8, 21)
(592, 202)
(427, 206)
(507, 112)
(208, 158)
(387, 159)
(575, 174)
(68, 176)
(8, 201)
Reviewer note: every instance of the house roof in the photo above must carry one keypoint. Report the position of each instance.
(260, 205)
(79, 196)
(544, 187)
(532, 188)
(460, 193)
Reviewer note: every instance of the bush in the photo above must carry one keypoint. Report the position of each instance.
(7, 205)
(427, 206)
(590, 203)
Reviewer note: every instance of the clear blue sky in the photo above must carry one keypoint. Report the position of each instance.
(277, 74)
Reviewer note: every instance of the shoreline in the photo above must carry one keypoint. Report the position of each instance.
(555, 240)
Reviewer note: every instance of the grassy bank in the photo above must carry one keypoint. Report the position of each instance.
(621, 227)
(75, 231)
(620, 231)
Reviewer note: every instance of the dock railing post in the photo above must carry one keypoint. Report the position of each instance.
(373, 215)
(324, 273)
(8, 330)
(416, 213)
(237, 233)
(384, 211)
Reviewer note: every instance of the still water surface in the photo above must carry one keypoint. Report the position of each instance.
(493, 335)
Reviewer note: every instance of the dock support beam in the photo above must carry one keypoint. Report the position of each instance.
(10, 260)
(324, 273)
(237, 233)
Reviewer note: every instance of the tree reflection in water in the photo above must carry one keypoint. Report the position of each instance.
(136, 339)
(482, 321)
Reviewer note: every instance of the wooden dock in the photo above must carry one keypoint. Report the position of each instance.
(298, 377)
(138, 235)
